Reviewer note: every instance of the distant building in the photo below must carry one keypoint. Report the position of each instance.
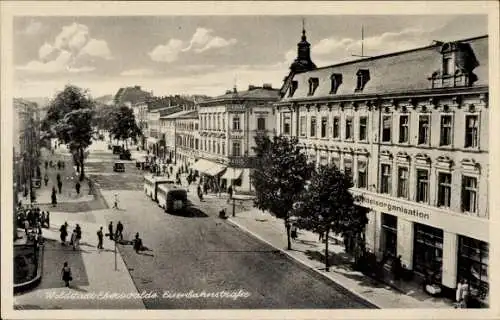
(130, 96)
(411, 128)
(228, 126)
(154, 130)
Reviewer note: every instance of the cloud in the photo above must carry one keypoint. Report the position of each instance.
(63, 54)
(32, 28)
(167, 53)
(138, 72)
(202, 40)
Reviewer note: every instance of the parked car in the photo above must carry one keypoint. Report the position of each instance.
(117, 149)
(119, 166)
(125, 155)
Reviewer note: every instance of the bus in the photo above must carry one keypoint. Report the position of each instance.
(171, 198)
(151, 184)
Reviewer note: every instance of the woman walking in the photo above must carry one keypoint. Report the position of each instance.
(66, 274)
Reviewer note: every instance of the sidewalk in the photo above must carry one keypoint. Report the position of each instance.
(308, 251)
(93, 270)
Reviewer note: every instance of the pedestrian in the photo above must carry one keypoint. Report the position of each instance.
(58, 165)
(230, 193)
(66, 274)
(59, 186)
(47, 219)
(200, 194)
(119, 231)
(396, 268)
(110, 229)
(465, 294)
(321, 235)
(137, 243)
(46, 179)
(115, 206)
(78, 236)
(73, 239)
(100, 236)
(458, 292)
(39, 227)
(54, 196)
(64, 233)
(43, 219)
(77, 187)
(30, 217)
(293, 232)
(58, 177)
(46, 165)
(26, 226)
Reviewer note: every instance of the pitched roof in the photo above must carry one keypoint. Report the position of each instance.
(253, 93)
(178, 114)
(192, 114)
(134, 95)
(391, 73)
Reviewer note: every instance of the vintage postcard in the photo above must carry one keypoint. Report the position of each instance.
(199, 160)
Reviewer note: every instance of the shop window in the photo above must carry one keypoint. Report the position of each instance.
(471, 131)
(403, 128)
(236, 149)
(446, 130)
(313, 126)
(444, 189)
(261, 123)
(362, 174)
(303, 126)
(422, 185)
(473, 261)
(385, 178)
(287, 124)
(324, 126)
(336, 127)
(469, 194)
(363, 127)
(423, 129)
(348, 167)
(236, 123)
(349, 128)
(403, 182)
(428, 251)
(386, 128)
(389, 234)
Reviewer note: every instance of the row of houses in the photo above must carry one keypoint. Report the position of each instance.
(411, 128)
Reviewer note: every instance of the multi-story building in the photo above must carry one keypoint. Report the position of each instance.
(411, 128)
(155, 132)
(187, 136)
(228, 126)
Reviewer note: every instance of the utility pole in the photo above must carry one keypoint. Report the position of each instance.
(116, 267)
(362, 45)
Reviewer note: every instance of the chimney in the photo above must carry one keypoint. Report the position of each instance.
(267, 86)
(138, 87)
(234, 89)
(251, 87)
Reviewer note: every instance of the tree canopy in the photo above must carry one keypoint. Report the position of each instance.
(123, 124)
(280, 175)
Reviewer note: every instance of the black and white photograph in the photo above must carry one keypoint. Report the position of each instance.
(204, 157)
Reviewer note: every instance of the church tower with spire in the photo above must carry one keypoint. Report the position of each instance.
(303, 61)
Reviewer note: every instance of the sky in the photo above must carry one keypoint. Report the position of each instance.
(205, 54)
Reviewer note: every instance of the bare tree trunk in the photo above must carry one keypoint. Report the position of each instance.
(327, 264)
(82, 170)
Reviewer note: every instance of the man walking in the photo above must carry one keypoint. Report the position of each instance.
(59, 186)
(119, 231)
(77, 187)
(115, 206)
(230, 193)
(110, 229)
(100, 236)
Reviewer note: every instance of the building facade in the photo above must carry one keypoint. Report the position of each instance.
(228, 126)
(187, 137)
(411, 128)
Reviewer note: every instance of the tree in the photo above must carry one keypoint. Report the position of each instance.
(70, 118)
(280, 176)
(328, 205)
(124, 125)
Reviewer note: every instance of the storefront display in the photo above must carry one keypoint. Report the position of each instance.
(428, 251)
(473, 258)
(389, 234)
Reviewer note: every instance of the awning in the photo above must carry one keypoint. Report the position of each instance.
(202, 165)
(232, 174)
(215, 169)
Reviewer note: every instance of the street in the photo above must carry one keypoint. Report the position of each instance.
(205, 254)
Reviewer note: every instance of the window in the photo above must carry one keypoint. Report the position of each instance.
(336, 127)
(348, 167)
(313, 85)
(422, 185)
(445, 139)
(293, 87)
(223, 123)
(349, 128)
(261, 123)
(223, 148)
(236, 149)
(389, 233)
(471, 131)
(403, 128)
(336, 162)
(469, 194)
(447, 66)
(313, 126)
(205, 143)
(403, 182)
(444, 189)
(363, 76)
(336, 81)
(218, 122)
(428, 251)
(385, 178)
(236, 123)
(287, 123)
(324, 126)
(303, 126)
(423, 129)
(363, 122)
(196, 144)
(386, 128)
(362, 174)
(473, 261)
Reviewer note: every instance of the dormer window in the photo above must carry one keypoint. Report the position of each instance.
(363, 78)
(293, 87)
(447, 66)
(336, 81)
(313, 85)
